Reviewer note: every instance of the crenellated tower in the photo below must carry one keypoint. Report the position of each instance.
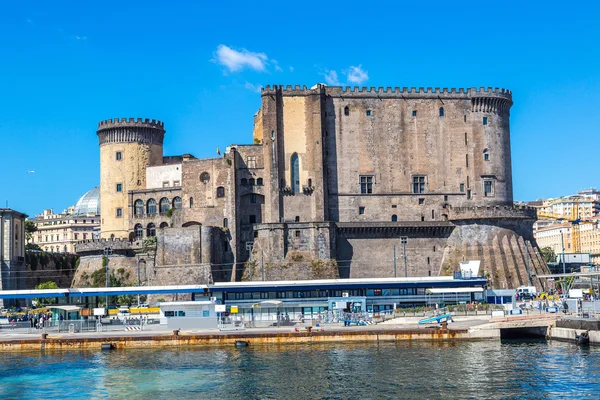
(127, 147)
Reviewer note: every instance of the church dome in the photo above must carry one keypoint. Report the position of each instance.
(89, 203)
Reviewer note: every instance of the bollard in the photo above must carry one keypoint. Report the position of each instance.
(44, 336)
(176, 332)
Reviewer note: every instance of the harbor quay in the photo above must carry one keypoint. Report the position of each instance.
(465, 328)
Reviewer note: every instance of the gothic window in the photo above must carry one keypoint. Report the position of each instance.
(259, 181)
(244, 182)
(151, 207)
(164, 225)
(419, 184)
(204, 177)
(139, 207)
(139, 231)
(394, 218)
(177, 203)
(151, 230)
(165, 205)
(251, 162)
(251, 182)
(220, 192)
(441, 111)
(295, 173)
(346, 111)
(488, 188)
(366, 184)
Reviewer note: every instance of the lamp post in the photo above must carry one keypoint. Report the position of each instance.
(403, 240)
(107, 253)
(139, 280)
(249, 246)
(562, 238)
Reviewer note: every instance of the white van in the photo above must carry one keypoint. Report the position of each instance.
(526, 292)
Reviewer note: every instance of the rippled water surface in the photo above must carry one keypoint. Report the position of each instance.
(489, 370)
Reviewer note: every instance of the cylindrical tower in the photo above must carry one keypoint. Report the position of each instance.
(490, 111)
(127, 147)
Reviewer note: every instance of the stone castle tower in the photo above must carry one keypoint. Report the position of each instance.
(127, 147)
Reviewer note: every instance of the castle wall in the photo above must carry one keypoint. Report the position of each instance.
(161, 176)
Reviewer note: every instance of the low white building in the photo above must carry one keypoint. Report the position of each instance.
(189, 315)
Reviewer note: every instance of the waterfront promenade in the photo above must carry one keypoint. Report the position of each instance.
(399, 329)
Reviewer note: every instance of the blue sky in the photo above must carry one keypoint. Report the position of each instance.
(64, 66)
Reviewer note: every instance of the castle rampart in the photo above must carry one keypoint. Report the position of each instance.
(124, 130)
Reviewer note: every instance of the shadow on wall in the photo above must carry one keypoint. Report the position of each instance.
(345, 254)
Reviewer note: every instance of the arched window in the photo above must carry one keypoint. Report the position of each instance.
(139, 231)
(151, 207)
(251, 182)
(441, 111)
(164, 225)
(259, 181)
(177, 203)
(244, 182)
(394, 218)
(139, 207)
(151, 230)
(297, 219)
(65, 249)
(225, 223)
(346, 111)
(191, 202)
(220, 192)
(295, 173)
(165, 204)
(204, 177)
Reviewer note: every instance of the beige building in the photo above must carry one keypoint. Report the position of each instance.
(58, 233)
(586, 201)
(12, 251)
(589, 236)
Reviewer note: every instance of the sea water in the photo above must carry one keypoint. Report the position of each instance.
(402, 370)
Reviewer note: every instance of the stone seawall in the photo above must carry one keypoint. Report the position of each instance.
(229, 339)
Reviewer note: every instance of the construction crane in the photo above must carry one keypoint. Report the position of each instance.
(574, 219)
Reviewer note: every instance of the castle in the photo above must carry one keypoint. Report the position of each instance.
(339, 182)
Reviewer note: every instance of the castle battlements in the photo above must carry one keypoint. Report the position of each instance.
(395, 92)
(131, 130)
(487, 212)
(130, 122)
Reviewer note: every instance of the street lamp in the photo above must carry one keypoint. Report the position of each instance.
(562, 238)
(403, 240)
(107, 253)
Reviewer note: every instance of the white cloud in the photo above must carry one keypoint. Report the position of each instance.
(255, 88)
(357, 75)
(81, 37)
(331, 78)
(291, 69)
(235, 60)
(276, 64)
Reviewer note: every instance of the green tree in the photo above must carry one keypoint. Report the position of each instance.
(30, 228)
(46, 285)
(548, 254)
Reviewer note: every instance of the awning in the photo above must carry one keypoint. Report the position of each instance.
(66, 308)
(268, 303)
(455, 290)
